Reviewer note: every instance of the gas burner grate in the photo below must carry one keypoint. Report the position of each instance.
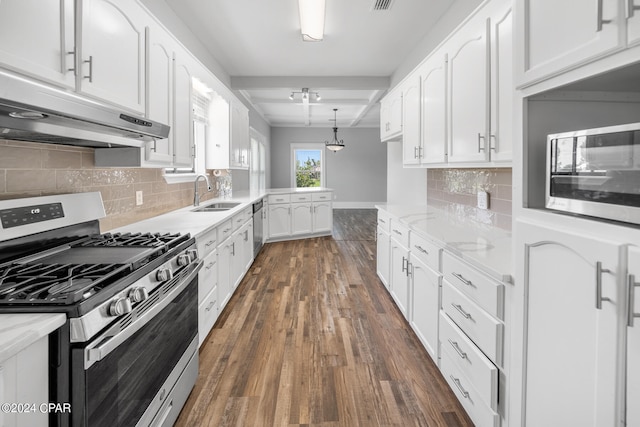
(61, 284)
(147, 240)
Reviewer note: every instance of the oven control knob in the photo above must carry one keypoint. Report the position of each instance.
(163, 274)
(120, 306)
(138, 294)
(193, 253)
(184, 259)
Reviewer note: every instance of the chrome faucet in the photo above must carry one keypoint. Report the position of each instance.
(196, 195)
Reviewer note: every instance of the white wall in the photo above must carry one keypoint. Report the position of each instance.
(404, 185)
(358, 173)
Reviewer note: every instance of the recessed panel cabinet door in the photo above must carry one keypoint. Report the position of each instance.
(468, 89)
(322, 217)
(279, 220)
(382, 256)
(301, 218)
(560, 35)
(399, 262)
(37, 38)
(113, 52)
(571, 328)
(434, 93)
(183, 111)
(411, 148)
(426, 305)
(633, 339)
(633, 21)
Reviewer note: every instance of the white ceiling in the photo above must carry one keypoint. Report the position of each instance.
(258, 42)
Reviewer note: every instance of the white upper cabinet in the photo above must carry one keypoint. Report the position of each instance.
(228, 143)
(240, 143)
(468, 92)
(411, 146)
(434, 94)
(391, 115)
(559, 35)
(37, 39)
(184, 67)
(111, 62)
(160, 91)
(502, 86)
(633, 21)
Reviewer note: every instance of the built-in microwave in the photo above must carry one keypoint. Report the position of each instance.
(595, 172)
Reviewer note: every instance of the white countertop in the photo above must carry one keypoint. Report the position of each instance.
(486, 247)
(18, 331)
(185, 220)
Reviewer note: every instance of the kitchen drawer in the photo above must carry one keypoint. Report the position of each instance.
(485, 291)
(384, 221)
(207, 242)
(275, 199)
(224, 230)
(425, 251)
(483, 329)
(240, 218)
(306, 197)
(207, 314)
(400, 233)
(470, 361)
(208, 275)
(320, 197)
(479, 412)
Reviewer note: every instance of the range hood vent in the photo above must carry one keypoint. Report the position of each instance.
(381, 5)
(30, 111)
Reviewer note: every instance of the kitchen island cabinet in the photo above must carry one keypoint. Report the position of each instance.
(299, 213)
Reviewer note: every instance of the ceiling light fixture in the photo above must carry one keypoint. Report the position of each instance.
(336, 144)
(305, 92)
(312, 19)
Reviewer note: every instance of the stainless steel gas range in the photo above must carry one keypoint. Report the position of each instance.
(127, 354)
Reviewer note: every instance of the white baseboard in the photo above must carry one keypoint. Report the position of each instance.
(355, 205)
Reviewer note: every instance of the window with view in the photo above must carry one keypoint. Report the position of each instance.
(308, 166)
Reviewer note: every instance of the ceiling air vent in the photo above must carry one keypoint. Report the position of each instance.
(381, 5)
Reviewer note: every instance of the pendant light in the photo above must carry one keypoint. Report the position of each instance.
(336, 144)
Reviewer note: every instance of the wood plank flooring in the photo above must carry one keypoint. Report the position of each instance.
(312, 338)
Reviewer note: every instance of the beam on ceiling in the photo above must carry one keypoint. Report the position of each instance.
(346, 82)
(373, 101)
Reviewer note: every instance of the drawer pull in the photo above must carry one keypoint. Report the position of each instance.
(456, 381)
(421, 249)
(382, 220)
(397, 232)
(210, 306)
(209, 243)
(211, 264)
(456, 347)
(226, 230)
(463, 279)
(459, 308)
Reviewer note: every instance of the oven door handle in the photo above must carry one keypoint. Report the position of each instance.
(105, 344)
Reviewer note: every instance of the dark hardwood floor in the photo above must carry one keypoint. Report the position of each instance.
(312, 338)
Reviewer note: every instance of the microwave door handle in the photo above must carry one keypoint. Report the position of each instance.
(103, 347)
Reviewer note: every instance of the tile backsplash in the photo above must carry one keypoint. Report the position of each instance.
(456, 190)
(34, 169)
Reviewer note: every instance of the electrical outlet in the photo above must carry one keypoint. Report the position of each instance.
(139, 198)
(483, 200)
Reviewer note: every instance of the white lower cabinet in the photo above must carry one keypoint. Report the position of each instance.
(425, 304)
(301, 218)
(225, 254)
(382, 256)
(279, 220)
(24, 379)
(322, 217)
(633, 339)
(399, 265)
(299, 214)
(573, 307)
(208, 307)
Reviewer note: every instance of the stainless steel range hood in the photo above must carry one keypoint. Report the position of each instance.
(30, 111)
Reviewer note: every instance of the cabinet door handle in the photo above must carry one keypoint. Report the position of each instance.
(209, 243)
(210, 265)
(233, 249)
(456, 381)
(480, 142)
(463, 279)
(382, 220)
(632, 294)
(461, 310)
(415, 152)
(421, 249)
(601, 21)
(631, 8)
(420, 152)
(492, 142)
(456, 347)
(210, 306)
(397, 232)
(74, 69)
(599, 297)
(90, 62)
(409, 269)
(405, 268)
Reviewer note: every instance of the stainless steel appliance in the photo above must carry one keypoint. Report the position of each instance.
(595, 172)
(127, 354)
(258, 227)
(30, 111)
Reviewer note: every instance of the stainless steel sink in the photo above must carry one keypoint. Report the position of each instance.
(216, 207)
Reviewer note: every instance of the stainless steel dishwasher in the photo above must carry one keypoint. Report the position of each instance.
(257, 227)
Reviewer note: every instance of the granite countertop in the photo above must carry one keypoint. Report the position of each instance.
(486, 247)
(185, 220)
(18, 331)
